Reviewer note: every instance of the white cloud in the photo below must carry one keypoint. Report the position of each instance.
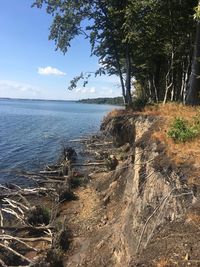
(78, 90)
(50, 71)
(93, 90)
(111, 91)
(10, 88)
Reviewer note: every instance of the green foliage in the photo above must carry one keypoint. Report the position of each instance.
(182, 130)
(66, 194)
(104, 100)
(103, 23)
(197, 12)
(139, 103)
(149, 40)
(75, 182)
(63, 239)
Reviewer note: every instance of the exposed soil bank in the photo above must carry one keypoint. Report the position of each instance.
(129, 205)
(142, 213)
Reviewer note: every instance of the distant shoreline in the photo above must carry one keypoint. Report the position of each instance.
(116, 101)
(34, 99)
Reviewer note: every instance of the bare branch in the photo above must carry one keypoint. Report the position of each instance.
(15, 253)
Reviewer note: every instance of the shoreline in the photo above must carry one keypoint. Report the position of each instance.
(59, 180)
(118, 209)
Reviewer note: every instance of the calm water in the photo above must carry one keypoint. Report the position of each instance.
(32, 133)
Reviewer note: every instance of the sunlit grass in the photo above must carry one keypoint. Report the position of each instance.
(185, 155)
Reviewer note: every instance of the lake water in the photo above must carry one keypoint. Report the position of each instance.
(33, 133)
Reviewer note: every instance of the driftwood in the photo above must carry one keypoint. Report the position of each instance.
(56, 172)
(49, 181)
(101, 144)
(16, 202)
(19, 240)
(10, 205)
(18, 210)
(26, 192)
(26, 239)
(26, 228)
(15, 253)
(79, 140)
(88, 164)
(2, 264)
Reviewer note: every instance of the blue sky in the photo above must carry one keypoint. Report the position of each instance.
(31, 68)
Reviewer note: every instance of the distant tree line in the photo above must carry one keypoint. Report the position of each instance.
(104, 100)
(155, 42)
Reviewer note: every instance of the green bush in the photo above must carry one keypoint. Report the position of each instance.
(181, 130)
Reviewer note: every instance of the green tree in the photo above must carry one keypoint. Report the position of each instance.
(162, 34)
(104, 20)
(193, 97)
(150, 41)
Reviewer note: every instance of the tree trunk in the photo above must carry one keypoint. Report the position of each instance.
(155, 90)
(193, 96)
(128, 79)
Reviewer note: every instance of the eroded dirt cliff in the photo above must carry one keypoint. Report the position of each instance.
(140, 214)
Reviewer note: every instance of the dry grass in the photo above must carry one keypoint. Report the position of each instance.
(193, 214)
(163, 263)
(116, 112)
(171, 110)
(184, 155)
(195, 218)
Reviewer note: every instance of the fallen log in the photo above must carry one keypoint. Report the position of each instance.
(51, 181)
(26, 239)
(58, 172)
(3, 264)
(88, 164)
(100, 144)
(79, 140)
(13, 203)
(26, 228)
(15, 253)
(20, 240)
(26, 192)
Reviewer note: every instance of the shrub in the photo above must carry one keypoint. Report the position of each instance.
(63, 240)
(38, 215)
(66, 194)
(182, 131)
(75, 182)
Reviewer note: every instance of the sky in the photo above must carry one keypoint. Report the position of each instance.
(31, 68)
